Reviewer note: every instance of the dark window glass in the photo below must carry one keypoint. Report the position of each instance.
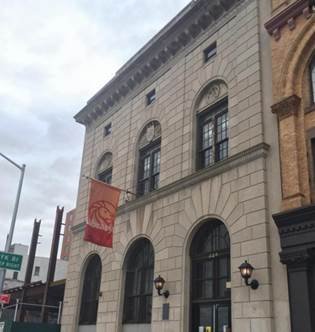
(151, 96)
(91, 290)
(15, 275)
(213, 135)
(210, 52)
(210, 272)
(106, 176)
(108, 129)
(139, 283)
(312, 71)
(149, 168)
(36, 271)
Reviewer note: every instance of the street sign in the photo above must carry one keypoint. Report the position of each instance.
(10, 261)
(5, 298)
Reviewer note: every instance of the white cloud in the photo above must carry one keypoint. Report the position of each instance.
(54, 56)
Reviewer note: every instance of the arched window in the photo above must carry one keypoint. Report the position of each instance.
(210, 277)
(149, 158)
(139, 268)
(312, 72)
(91, 291)
(212, 124)
(105, 168)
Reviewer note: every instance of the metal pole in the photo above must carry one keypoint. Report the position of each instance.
(16, 310)
(59, 312)
(15, 211)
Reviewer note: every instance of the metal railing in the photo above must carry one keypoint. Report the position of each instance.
(13, 311)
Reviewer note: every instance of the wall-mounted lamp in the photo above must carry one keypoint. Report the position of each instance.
(159, 284)
(246, 272)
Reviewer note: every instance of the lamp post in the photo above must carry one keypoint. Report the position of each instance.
(15, 211)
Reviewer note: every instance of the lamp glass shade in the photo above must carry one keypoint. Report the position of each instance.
(159, 283)
(246, 270)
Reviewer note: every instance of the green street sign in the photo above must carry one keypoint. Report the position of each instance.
(10, 261)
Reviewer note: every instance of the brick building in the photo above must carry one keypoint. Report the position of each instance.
(292, 30)
(186, 124)
(67, 237)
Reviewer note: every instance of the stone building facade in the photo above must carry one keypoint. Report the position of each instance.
(292, 30)
(185, 125)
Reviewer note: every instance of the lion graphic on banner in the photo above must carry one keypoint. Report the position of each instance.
(102, 215)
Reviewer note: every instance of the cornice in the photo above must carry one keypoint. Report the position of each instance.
(244, 157)
(286, 107)
(287, 16)
(189, 24)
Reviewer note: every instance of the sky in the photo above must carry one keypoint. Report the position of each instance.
(55, 55)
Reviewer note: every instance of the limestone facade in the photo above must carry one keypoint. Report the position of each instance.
(238, 191)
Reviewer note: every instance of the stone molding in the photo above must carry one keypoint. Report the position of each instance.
(297, 234)
(197, 17)
(244, 157)
(286, 107)
(288, 17)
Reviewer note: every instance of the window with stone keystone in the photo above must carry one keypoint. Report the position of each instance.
(149, 158)
(105, 168)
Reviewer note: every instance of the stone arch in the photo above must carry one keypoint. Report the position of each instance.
(104, 162)
(186, 276)
(297, 59)
(95, 259)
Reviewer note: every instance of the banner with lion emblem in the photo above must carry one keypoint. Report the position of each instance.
(103, 202)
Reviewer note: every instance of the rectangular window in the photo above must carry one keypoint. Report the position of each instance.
(210, 52)
(151, 96)
(213, 135)
(36, 271)
(15, 275)
(149, 169)
(108, 129)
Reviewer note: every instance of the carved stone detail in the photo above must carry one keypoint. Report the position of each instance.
(150, 133)
(211, 94)
(286, 107)
(106, 162)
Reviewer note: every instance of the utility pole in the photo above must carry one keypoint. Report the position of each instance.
(15, 211)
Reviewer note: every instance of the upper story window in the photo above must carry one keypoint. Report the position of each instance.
(312, 71)
(37, 270)
(149, 158)
(212, 125)
(210, 52)
(15, 275)
(151, 96)
(91, 291)
(105, 168)
(139, 269)
(108, 129)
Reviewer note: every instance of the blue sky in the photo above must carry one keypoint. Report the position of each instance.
(55, 55)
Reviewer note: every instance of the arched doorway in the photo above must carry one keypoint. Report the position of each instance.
(210, 296)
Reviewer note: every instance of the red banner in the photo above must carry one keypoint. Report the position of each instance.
(103, 202)
(5, 298)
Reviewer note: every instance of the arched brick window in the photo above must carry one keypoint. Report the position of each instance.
(91, 291)
(210, 277)
(139, 268)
